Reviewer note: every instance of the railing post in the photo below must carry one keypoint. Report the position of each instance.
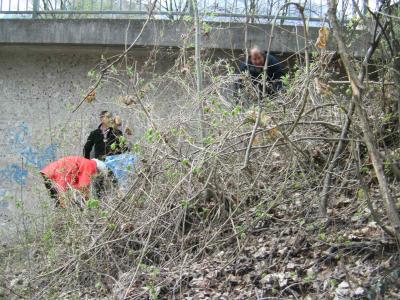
(364, 7)
(35, 11)
(191, 13)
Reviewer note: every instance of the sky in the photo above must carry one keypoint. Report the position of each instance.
(24, 5)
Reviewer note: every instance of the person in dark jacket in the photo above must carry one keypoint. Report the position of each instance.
(255, 67)
(106, 139)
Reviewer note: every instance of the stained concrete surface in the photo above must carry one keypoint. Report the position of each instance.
(162, 33)
(39, 86)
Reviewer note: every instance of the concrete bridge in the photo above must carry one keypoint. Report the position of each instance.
(161, 33)
(117, 22)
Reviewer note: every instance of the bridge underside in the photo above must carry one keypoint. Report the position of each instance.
(103, 32)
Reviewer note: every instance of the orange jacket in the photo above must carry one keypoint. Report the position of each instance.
(70, 172)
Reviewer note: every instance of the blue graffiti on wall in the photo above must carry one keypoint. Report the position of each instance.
(3, 199)
(14, 173)
(39, 157)
(21, 145)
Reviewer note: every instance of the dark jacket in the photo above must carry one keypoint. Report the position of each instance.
(275, 72)
(103, 145)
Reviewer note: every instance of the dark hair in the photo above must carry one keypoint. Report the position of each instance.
(103, 113)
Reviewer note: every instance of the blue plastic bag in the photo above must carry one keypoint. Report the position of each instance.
(122, 165)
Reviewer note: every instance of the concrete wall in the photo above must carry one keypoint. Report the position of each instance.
(39, 86)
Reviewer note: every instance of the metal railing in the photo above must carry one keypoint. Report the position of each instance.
(213, 10)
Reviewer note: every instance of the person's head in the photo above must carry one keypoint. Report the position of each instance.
(257, 56)
(101, 167)
(106, 118)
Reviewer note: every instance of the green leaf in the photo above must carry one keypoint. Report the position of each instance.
(136, 148)
(48, 236)
(174, 131)
(19, 204)
(185, 204)
(129, 71)
(185, 162)
(333, 282)
(236, 110)
(112, 226)
(92, 74)
(361, 194)
(364, 170)
(387, 118)
(114, 70)
(93, 203)
(322, 236)
(196, 170)
(207, 27)
(310, 278)
(208, 140)
(158, 136)
(150, 135)
(98, 285)
(122, 139)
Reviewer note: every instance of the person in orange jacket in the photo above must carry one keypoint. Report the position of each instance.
(71, 172)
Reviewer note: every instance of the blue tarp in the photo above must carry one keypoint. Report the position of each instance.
(122, 165)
